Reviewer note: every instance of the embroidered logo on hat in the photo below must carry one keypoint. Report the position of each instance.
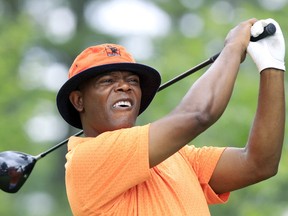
(112, 51)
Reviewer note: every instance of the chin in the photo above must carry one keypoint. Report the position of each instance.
(123, 123)
(121, 120)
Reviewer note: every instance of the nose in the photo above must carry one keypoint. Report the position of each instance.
(122, 86)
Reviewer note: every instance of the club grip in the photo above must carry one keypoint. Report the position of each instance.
(269, 30)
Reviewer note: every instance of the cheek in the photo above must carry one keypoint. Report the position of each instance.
(139, 96)
(97, 105)
(93, 102)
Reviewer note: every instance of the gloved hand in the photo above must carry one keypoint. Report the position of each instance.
(268, 52)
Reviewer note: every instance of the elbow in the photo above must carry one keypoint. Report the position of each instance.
(209, 115)
(205, 119)
(264, 164)
(265, 172)
(271, 171)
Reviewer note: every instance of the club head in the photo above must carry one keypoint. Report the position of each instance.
(15, 168)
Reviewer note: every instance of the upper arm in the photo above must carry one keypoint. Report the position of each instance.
(171, 133)
(234, 171)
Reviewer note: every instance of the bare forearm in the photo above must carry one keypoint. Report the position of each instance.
(200, 108)
(210, 95)
(267, 134)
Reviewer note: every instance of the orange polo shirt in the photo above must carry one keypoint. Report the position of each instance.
(110, 175)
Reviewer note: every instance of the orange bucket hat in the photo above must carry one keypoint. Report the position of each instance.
(96, 60)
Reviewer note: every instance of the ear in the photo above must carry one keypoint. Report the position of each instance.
(77, 100)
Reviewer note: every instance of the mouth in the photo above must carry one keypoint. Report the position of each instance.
(122, 104)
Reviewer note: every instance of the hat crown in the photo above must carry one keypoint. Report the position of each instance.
(99, 55)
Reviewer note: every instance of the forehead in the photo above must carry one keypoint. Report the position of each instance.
(115, 74)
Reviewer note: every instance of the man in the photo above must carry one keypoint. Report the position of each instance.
(122, 169)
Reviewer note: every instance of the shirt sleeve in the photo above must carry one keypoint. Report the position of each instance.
(203, 161)
(101, 168)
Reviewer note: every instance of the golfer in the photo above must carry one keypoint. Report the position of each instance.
(118, 168)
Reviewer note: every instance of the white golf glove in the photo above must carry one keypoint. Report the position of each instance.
(268, 52)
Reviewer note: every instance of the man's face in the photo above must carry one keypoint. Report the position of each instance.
(110, 101)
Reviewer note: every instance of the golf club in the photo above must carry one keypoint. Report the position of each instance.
(15, 167)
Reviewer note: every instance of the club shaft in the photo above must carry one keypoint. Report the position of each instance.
(189, 72)
(43, 154)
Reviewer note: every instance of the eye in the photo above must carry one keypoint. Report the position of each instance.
(134, 80)
(106, 80)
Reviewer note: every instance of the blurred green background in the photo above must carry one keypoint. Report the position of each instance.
(40, 39)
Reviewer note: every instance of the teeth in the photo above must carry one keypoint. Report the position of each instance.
(122, 104)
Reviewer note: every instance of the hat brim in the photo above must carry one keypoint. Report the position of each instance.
(150, 81)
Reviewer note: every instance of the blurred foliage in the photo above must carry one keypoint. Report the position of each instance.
(44, 192)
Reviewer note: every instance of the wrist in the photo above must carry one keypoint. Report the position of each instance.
(235, 50)
(271, 63)
(269, 69)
